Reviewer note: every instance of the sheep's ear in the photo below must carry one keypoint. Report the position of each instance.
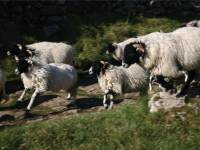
(20, 47)
(139, 47)
(102, 62)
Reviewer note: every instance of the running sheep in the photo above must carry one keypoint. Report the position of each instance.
(49, 77)
(2, 84)
(44, 52)
(119, 80)
(167, 54)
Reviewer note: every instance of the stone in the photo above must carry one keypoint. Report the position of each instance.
(165, 101)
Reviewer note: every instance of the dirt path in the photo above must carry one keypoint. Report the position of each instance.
(50, 105)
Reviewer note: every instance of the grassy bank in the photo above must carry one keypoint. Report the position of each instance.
(128, 127)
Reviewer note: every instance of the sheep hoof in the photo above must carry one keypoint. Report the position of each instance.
(105, 106)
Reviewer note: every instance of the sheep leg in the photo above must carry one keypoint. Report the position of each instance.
(22, 95)
(150, 82)
(111, 102)
(32, 99)
(191, 75)
(104, 100)
(72, 97)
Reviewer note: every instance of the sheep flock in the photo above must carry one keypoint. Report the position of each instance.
(155, 58)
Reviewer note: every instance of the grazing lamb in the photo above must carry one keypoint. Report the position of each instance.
(118, 80)
(2, 84)
(44, 52)
(167, 54)
(49, 77)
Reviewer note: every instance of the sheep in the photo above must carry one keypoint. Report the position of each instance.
(49, 77)
(167, 54)
(2, 85)
(118, 80)
(44, 52)
(117, 51)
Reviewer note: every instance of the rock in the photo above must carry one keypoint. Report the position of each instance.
(165, 101)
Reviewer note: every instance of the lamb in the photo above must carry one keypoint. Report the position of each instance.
(45, 52)
(118, 80)
(2, 85)
(167, 54)
(49, 77)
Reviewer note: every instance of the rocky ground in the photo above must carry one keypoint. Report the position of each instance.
(50, 105)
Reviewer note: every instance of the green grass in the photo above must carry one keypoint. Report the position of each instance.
(128, 127)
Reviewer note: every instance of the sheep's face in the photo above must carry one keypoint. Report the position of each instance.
(23, 66)
(20, 51)
(14, 50)
(132, 54)
(99, 67)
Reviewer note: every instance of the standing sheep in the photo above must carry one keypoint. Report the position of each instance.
(45, 52)
(49, 77)
(118, 80)
(167, 54)
(2, 85)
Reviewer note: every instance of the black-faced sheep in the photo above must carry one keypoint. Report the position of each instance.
(167, 54)
(118, 80)
(45, 52)
(49, 77)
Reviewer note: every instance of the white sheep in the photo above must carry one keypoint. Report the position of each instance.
(118, 80)
(2, 84)
(45, 52)
(49, 77)
(167, 54)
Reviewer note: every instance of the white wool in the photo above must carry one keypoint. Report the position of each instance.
(52, 52)
(54, 77)
(169, 54)
(120, 80)
(2, 83)
(50, 77)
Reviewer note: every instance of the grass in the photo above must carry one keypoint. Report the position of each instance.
(128, 127)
